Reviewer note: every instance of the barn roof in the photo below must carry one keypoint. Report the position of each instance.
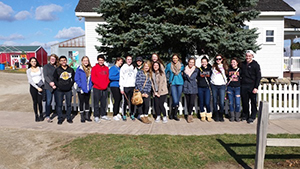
(262, 5)
(19, 48)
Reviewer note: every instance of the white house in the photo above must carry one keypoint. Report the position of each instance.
(270, 25)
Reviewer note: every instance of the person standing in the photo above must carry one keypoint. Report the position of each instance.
(36, 80)
(233, 90)
(50, 88)
(204, 91)
(218, 86)
(190, 87)
(250, 80)
(143, 84)
(160, 91)
(84, 86)
(139, 63)
(127, 84)
(155, 58)
(100, 79)
(63, 78)
(174, 72)
(114, 77)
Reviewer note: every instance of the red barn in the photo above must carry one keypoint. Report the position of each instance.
(19, 55)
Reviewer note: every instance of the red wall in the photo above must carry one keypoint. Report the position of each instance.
(42, 56)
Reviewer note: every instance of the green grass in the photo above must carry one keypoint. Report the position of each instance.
(164, 151)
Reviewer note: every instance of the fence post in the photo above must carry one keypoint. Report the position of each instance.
(261, 134)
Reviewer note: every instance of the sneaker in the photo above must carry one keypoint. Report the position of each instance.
(119, 116)
(70, 121)
(250, 121)
(132, 117)
(157, 120)
(116, 118)
(165, 119)
(124, 118)
(105, 118)
(97, 120)
(49, 120)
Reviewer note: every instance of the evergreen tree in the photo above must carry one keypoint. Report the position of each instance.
(186, 27)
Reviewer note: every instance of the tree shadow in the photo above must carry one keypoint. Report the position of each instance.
(239, 157)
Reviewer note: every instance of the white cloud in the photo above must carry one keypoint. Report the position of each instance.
(11, 43)
(22, 15)
(12, 37)
(46, 12)
(69, 33)
(6, 12)
(46, 45)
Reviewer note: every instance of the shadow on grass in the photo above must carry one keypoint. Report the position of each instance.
(239, 158)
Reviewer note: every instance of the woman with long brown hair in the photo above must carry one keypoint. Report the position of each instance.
(218, 86)
(84, 86)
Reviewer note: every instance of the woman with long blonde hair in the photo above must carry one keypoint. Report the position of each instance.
(84, 86)
(143, 84)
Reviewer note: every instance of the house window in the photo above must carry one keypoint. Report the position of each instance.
(246, 27)
(269, 36)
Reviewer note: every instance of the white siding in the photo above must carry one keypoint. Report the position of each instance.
(270, 57)
(91, 38)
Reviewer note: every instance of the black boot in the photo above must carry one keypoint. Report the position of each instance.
(216, 116)
(232, 116)
(171, 113)
(82, 118)
(42, 117)
(88, 116)
(221, 118)
(37, 118)
(237, 116)
(175, 114)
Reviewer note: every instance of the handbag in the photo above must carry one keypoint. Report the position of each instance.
(137, 98)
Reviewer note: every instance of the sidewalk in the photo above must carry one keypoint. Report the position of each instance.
(25, 120)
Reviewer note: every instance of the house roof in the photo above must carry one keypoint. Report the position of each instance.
(291, 23)
(19, 48)
(78, 42)
(262, 5)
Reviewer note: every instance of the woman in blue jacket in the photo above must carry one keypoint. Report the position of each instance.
(83, 80)
(174, 73)
(114, 77)
(190, 87)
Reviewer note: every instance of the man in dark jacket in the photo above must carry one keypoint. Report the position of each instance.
(251, 76)
(63, 78)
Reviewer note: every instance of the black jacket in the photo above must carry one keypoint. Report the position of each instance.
(202, 74)
(64, 79)
(250, 74)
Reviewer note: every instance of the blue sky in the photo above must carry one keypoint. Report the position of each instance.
(46, 22)
(38, 22)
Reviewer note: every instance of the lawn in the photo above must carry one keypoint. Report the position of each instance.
(165, 151)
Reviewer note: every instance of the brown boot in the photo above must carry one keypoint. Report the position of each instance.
(190, 119)
(143, 119)
(203, 116)
(147, 119)
(209, 117)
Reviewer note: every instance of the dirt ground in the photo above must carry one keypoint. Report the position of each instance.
(24, 148)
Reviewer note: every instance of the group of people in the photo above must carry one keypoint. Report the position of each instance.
(153, 80)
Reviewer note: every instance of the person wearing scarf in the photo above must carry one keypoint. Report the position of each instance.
(174, 73)
(190, 87)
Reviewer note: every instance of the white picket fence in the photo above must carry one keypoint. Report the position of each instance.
(281, 98)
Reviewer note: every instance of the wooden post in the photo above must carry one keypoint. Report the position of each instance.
(261, 135)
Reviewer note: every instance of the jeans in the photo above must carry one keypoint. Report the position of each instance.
(159, 105)
(176, 91)
(218, 92)
(49, 96)
(100, 96)
(59, 104)
(234, 98)
(37, 100)
(190, 102)
(204, 99)
(84, 99)
(117, 99)
(246, 93)
(144, 107)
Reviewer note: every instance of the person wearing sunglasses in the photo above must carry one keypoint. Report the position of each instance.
(218, 86)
